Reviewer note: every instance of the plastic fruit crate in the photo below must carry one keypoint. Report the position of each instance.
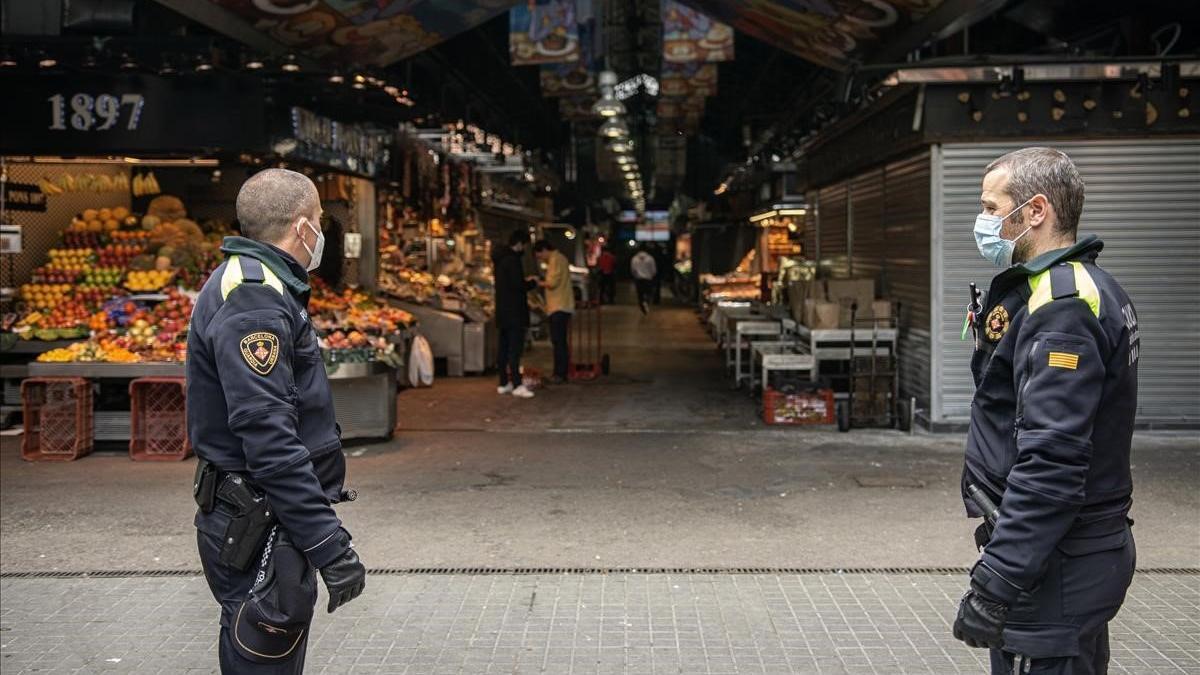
(158, 419)
(58, 418)
(798, 408)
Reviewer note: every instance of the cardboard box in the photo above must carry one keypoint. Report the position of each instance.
(825, 315)
(881, 310)
(861, 291)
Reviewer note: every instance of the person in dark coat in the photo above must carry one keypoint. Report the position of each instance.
(512, 312)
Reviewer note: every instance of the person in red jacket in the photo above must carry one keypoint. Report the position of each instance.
(607, 265)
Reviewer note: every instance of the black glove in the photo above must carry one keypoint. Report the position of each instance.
(983, 534)
(980, 620)
(345, 578)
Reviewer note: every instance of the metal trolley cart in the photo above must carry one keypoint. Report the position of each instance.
(873, 377)
(588, 360)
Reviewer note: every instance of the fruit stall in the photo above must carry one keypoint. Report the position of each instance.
(444, 278)
(109, 304)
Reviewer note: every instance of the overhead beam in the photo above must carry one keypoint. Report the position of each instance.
(947, 19)
(210, 14)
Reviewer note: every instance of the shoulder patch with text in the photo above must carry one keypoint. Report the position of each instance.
(261, 351)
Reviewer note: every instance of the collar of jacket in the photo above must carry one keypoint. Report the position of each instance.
(1090, 246)
(283, 265)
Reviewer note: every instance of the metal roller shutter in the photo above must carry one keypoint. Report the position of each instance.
(905, 277)
(867, 243)
(1143, 200)
(833, 234)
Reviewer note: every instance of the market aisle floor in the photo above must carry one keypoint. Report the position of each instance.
(666, 375)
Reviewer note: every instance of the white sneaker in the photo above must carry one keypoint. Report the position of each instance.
(506, 389)
(522, 392)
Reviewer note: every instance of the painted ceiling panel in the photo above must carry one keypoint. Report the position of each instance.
(831, 33)
(368, 32)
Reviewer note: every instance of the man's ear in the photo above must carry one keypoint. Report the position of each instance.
(1039, 210)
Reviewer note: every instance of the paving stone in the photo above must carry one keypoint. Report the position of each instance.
(433, 624)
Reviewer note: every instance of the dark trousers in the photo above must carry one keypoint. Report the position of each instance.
(560, 326)
(608, 288)
(230, 587)
(508, 354)
(1061, 626)
(645, 290)
(1092, 659)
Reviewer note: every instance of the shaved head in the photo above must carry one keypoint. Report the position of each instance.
(272, 199)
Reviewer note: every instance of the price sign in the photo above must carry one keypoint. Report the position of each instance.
(96, 113)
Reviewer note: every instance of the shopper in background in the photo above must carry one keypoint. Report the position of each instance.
(560, 305)
(512, 311)
(608, 276)
(260, 417)
(645, 271)
(1047, 457)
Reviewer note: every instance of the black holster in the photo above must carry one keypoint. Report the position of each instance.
(251, 522)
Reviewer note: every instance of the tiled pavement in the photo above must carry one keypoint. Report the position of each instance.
(585, 623)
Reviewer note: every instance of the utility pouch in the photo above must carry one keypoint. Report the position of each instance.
(204, 486)
(248, 529)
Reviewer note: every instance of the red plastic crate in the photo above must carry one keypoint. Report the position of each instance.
(58, 418)
(812, 407)
(158, 419)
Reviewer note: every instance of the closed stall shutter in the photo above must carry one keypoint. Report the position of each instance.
(1143, 200)
(905, 276)
(833, 232)
(866, 225)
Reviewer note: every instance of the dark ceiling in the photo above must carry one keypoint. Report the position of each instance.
(768, 98)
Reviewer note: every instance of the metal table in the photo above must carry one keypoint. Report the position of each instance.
(745, 329)
(834, 344)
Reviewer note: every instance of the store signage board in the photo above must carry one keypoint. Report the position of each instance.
(352, 148)
(24, 197)
(108, 114)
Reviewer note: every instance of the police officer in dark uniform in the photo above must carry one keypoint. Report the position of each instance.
(261, 420)
(1047, 458)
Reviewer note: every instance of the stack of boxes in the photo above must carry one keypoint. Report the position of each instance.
(837, 303)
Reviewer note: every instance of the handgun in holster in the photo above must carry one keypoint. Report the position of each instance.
(248, 528)
(252, 517)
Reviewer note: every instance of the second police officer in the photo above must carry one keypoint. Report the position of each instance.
(261, 420)
(1047, 457)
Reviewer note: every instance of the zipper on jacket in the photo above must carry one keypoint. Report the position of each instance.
(1019, 422)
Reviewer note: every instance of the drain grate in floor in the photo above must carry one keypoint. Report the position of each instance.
(888, 482)
(566, 571)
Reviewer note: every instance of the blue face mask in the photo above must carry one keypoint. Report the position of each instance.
(991, 245)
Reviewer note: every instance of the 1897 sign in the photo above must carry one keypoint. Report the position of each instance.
(132, 114)
(95, 113)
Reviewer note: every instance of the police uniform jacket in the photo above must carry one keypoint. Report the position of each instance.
(259, 401)
(1055, 370)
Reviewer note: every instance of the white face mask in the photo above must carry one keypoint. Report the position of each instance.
(315, 253)
(991, 245)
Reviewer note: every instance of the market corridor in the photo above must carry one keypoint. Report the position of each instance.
(666, 375)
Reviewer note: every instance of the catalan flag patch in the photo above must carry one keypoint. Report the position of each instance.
(1064, 360)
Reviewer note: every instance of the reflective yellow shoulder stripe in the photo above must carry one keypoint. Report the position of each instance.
(272, 280)
(233, 277)
(1041, 294)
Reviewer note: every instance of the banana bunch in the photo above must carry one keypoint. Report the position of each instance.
(145, 185)
(87, 182)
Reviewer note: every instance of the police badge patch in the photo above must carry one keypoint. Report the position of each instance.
(997, 323)
(261, 351)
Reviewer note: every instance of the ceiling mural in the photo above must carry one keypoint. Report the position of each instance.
(367, 32)
(830, 33)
